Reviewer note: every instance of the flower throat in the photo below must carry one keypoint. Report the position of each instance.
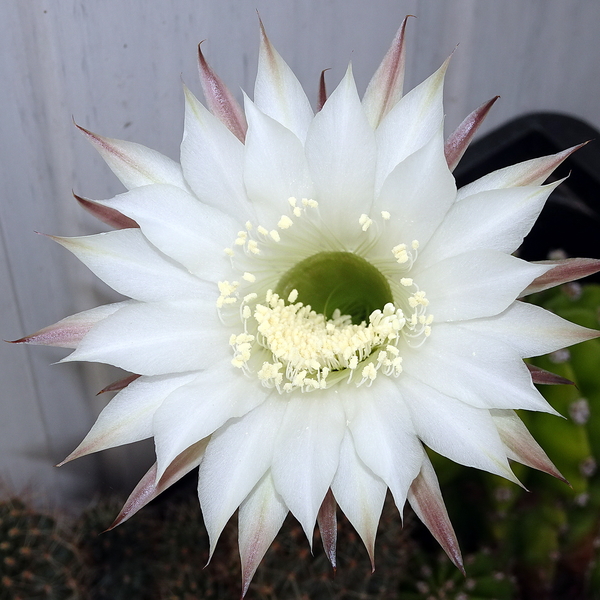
(337, 281)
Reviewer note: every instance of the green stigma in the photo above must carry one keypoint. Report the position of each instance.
(337, 280)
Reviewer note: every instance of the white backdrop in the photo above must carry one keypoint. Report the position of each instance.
(116, 67)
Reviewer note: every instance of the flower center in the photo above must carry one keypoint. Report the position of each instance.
(337, 281)
(309, 347)
(331, 317)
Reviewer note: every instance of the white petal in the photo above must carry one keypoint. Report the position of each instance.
(475, 284)
(185, 229)
(520, 445)
(463, 433)
(68, 332)
(383, 435)
(149, 488)
(360, 494)
(158, 338)
(341, 152)
(275, 167)
(495, 220)
(212, 398)
(417, 194)
(426, 500)
(410, 124)
(212, 159)
(307, 452)
(476, 369)
(531, 330)
(277, 91)
(237, 456)
(385, 88)
(128, 416)
(260, 518)
(134, 164)
(129, 264)
(529, 172)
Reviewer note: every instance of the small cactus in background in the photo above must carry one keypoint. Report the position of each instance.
(436, 578)
(122, 563)
(290, 571)
(552, 532)
(183, 549)
(37, 560)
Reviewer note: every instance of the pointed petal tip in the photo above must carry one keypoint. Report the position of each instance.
(543, 377)
(562, 271)
(322, 95)
(458, 142)
(66, 460)
(119, 385)
(220, 100)
(107, 215)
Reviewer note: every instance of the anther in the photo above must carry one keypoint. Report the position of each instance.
(285, 222)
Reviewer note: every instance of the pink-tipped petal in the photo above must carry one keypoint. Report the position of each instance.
(220, 100)
(327, 521)
(128, 417)
(134, 164)
(107, 215)
(459, 140)
(426, 500)
(261, 516)
(148, 488)
(322, 97)
(565, 270)
(119, 385)
(68, 332)
(520, 444)
(529, 172)
(385, 87)
(360, 494)
(544, 377)
(277, 91)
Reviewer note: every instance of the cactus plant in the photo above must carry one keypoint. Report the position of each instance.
(37, 560)
(122, 562)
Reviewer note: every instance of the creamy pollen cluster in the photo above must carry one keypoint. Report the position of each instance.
(283, 283)
(287, 344)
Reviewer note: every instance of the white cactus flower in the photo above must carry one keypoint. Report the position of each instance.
(312, 302)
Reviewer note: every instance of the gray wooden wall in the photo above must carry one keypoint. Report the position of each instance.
(116, 67)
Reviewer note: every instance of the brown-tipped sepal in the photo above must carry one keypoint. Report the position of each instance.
(107, 215)
(426, 500)
(148, 488)
(543, 377)
(119, 385)
(220, 100)
(520, 445)
(327, 521)
(68, 332)
(458, 142)
(385, 88)
(565, 270)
